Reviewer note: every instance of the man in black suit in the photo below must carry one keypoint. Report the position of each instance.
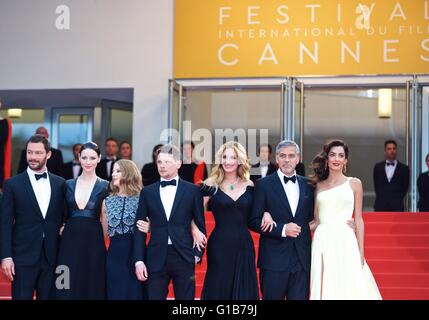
(170, 204)
(31, 216)
(55, 162)
(285, 251)
(391, 180)
(72, 169)
(105, 166)
(264, 167)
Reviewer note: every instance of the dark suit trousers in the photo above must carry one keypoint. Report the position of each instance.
(178, 270)
(39, 277)
(292, 284)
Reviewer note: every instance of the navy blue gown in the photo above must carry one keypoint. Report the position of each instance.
(122, 283)
(231, 269)
(82, 249)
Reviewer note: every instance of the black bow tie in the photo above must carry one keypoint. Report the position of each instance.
(168, 183)
(76, 164)
(40, 176)
(286, 179)
(390, 163)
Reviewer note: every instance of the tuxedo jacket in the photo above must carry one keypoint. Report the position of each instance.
(274, 250)
(55, 162)
(187, 205)
(256, 169)
(68, 170)
(389, 196)
(101, 170)
(22, 226)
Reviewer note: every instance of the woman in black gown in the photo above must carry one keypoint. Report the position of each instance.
(82, 249)
(231, 270)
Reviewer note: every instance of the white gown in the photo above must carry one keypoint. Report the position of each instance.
(336, 270)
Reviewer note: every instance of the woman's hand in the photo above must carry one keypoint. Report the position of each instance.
(267, 223)
(62, 229)
(144, 226)
(200, 239)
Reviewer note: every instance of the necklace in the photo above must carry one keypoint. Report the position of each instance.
(232, 185)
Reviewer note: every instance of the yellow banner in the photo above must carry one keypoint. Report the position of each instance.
(267, 38)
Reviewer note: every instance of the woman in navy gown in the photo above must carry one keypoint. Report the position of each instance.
(82, 250)
(118, 218)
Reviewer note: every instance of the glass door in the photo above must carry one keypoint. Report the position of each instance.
(177, 98)
(414, 138)
(293, 106)
(70, 126)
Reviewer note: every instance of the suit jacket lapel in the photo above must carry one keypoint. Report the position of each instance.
(30, 191)
(179, 194)
(279, 190)
(158, 199)
(53, 193)
(301, 194)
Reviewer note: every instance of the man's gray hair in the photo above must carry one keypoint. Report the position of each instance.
(170, 149)
(287, 143)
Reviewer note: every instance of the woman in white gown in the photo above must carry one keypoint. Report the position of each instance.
(338, 266)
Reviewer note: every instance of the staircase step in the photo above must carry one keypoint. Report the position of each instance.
(398, 293)
(395, 216)
(398, 266)
(397, 240)
(397, 228)
(379, 252)
(404, 280)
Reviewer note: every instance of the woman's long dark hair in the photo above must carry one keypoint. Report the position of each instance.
(320, 161)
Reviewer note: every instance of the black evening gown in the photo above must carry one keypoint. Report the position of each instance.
(231, 269)
(82, 248)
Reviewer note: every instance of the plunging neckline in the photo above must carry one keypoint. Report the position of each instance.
(232, 199)
(90, 195)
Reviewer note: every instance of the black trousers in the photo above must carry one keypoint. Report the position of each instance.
(176, 269)
(38, 277)
(292, 284)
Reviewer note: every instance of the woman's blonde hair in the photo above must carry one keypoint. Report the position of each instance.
(131, 178)
(218, 174)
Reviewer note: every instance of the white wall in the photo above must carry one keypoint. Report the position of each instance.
(110, 44)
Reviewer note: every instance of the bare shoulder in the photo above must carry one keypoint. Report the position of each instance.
(249, 183)
(355, 183)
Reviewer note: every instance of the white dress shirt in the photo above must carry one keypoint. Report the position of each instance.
(292, 193)
(264, 169)
(42, 190)
(167, 194)
(76, 169)
(109, 163)
(390, 170)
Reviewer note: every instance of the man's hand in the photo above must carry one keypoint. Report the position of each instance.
(8, 268)
(267, 222)
(141, 271)
(292, 230)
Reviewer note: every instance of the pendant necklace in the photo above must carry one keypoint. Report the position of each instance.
(232, 185)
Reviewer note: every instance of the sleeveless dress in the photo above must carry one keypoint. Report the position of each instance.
(231, 269)
(336, 270)
(122, 283)
(82, 249)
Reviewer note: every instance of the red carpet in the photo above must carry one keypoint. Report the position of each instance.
(396, 249)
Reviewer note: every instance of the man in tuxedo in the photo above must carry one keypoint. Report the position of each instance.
(72, 169)
(264, 167)
(105, 166)
(32, 211)
(170, 204)
(285, 251)
(391, 180)
(55, 162)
